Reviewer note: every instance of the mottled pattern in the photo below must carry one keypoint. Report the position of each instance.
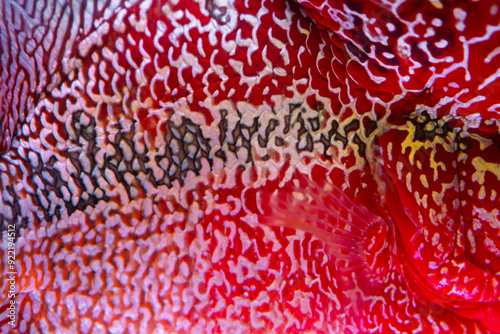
(165, 161)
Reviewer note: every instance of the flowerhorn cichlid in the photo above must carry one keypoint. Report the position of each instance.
(272, 166)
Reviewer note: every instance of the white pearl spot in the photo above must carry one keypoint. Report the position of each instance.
(493, 10)
(460, 16)
(430, 32)
(388, 55)
(442, 44)
(437, 22)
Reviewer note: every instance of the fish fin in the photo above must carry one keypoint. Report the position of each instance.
(359, 241)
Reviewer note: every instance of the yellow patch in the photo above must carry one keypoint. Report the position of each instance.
(482, 167)
(423, 179)
(414, 146)
(436, 4)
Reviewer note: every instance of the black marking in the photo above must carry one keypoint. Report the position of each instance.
(370, 126)
(263, 141)
(427, 128)
(186, 150)
(361, 145)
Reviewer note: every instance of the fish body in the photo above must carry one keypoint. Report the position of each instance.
(255, 166)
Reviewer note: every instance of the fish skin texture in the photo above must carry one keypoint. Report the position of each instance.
(251, 166)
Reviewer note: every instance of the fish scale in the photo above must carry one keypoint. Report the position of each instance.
(147, 163)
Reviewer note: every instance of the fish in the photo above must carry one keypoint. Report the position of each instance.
(250, 166)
